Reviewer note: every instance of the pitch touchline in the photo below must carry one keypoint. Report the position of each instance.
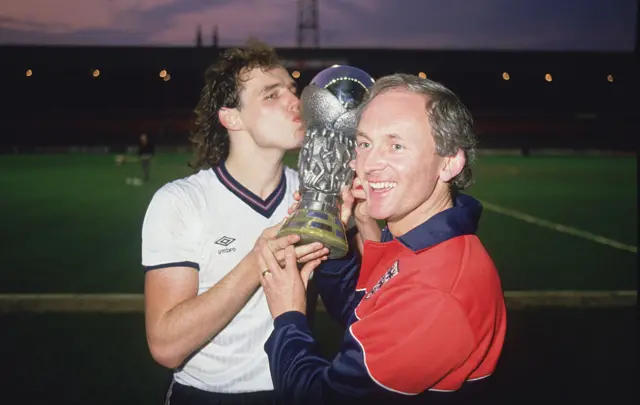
(134, 303)
(559, 227)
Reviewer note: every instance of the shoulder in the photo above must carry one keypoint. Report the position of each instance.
(451, 259)
(464, 269)
(290, 173)
(293, 181)
(468, 256)
(184, 193)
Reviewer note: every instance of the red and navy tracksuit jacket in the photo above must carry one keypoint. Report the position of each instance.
(425, 318)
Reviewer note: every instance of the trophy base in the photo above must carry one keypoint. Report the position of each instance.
(317, 226)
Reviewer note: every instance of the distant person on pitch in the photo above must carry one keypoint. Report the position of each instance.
(422, 304)
(146, 151)
(206, 315)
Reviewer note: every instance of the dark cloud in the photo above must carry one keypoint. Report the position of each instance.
(20, 25)
(78, 37)
(131, 27)
(454, 24)
(150, 22)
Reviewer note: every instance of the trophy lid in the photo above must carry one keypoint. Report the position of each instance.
(333, 96)
(348, 84)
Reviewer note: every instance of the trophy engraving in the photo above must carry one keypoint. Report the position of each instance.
(329, 105)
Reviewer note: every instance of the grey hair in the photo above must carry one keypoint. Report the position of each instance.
(451, 121)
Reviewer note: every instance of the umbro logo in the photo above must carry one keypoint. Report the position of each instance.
(225, 241)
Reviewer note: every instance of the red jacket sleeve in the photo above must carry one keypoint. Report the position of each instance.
(413, 337)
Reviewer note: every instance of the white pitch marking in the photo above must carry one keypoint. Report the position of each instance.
(559, 227)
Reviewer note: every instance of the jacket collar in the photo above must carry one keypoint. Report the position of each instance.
(461, 219)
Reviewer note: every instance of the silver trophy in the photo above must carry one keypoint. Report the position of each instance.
(328, 106)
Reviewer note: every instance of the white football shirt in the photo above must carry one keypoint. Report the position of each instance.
(210, 222)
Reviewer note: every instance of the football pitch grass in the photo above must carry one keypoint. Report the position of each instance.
(72, 226)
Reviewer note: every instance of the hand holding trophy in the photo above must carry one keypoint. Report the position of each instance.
(328, 107)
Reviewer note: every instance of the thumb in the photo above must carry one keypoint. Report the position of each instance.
(307, 269)
(346, 208)
(273, 230)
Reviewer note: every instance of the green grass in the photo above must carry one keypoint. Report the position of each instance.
(596, 194)
(71, 224)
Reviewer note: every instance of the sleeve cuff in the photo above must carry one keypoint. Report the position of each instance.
(193, 265)
(337, 267)
(295, 318)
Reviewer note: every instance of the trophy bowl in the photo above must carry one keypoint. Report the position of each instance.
(328, 108)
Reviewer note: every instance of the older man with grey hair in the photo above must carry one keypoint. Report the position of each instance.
(421, 300)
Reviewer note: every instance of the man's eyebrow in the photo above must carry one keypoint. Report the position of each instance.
(270, 87)
(391, 136)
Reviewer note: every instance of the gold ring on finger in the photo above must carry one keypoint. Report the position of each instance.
(265, 271)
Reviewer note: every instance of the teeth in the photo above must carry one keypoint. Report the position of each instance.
(382, 185)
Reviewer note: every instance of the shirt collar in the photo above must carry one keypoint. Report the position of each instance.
(461, 219)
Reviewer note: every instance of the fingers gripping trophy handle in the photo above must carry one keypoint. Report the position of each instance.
(317, 219)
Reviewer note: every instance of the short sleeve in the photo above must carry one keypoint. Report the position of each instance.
(169, 231)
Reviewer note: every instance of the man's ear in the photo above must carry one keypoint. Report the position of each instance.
(453, 165)
(230, 119)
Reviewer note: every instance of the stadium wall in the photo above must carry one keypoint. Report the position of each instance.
(115, 130)
(61, 103)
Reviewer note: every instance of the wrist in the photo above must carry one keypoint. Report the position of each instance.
(277, 312)
(252, 268)
(290, 318)
(363, 220)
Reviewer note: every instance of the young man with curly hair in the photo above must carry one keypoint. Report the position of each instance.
(205, 315)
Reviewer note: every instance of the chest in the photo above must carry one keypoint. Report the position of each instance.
(384, 267)
(228, 237)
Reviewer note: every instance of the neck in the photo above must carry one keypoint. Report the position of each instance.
(439, 201)
(257, 169)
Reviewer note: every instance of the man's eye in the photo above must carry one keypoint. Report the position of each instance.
(272, 95)
(363, 145)
(397, 147)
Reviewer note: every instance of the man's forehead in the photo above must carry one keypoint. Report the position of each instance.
(393, 113)
(256, 79)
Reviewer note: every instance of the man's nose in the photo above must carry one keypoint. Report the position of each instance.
(294, 104)
(373, 160)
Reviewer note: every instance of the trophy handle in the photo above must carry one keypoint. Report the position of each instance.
(317, 219)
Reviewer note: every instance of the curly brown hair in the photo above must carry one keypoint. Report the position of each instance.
(223, 84)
